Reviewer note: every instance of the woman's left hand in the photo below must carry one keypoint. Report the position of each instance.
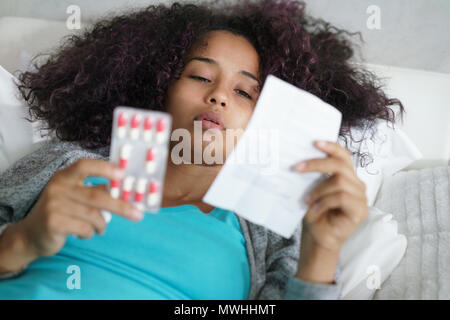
(337, 206)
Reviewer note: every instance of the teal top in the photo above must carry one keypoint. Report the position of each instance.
(176, 253)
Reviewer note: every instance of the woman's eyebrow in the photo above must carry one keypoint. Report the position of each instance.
(214, 62)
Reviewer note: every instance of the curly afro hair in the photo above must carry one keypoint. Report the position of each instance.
(130, 59)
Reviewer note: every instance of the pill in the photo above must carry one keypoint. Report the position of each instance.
(127, 187)
(122, 125)
(153, 195)
(150, 162)
(161, 130)
(125, 152)
(135, 121)
(114, 189)
(140, 190)
(148, 125)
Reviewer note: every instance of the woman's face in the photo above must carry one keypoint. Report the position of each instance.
(229, 66)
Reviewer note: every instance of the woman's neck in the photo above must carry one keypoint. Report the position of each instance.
(187, 183)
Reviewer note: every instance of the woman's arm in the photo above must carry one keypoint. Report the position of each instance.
(282, 282)
(317, 276)
(298, 289)
(337, 207)
(316, 264)
(51, 179)
(306, 268)
(278, 268)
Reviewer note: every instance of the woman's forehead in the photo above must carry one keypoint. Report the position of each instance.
(228, 50)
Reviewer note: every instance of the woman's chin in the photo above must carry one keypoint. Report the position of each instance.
(210, 154)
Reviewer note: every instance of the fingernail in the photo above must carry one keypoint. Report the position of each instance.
(322, 144)
(300, 166)
(316, 207)
(308, 199)
(119, 173)
(136, 214)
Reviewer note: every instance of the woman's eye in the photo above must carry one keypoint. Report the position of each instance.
(199, 78)
(245, 94)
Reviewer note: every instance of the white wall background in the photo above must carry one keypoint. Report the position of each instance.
(410, 51)
(413, 34)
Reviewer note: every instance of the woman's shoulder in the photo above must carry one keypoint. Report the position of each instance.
(70, 150)
(54, 154)
(38, 166)
(21, 183)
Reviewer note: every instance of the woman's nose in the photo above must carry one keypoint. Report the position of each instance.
(222, 103)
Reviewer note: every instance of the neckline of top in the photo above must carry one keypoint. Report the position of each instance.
(192, 207)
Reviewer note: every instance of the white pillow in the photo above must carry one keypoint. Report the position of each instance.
(425, 96)
(370, 255)
(18, 136)
(390, 149)
(31, 35)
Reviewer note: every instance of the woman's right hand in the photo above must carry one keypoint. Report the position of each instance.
(67, 207)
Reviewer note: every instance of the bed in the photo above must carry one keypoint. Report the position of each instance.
(417, 196)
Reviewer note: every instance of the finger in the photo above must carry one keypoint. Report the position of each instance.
(342, 201)
(99, 198)
(88, 214)
(105, 214)
(326, 165)
(103, 187)
(80, 170)
(77, 227)
(334, 184)
(334, 149)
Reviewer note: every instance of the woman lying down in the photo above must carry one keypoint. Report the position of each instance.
(187, 60)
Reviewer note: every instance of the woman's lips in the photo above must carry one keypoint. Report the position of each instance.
(207, 124)
(211, 120)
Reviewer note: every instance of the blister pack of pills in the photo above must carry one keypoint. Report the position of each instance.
(140, 145)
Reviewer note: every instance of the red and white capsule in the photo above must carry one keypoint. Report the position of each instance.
(140, 192)
(115, 188)
(125, 152)
(122, 125)
(153, 194)
(150, 160)
(135, 122)
(161, 130)
(148, 126)
(127, 188)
